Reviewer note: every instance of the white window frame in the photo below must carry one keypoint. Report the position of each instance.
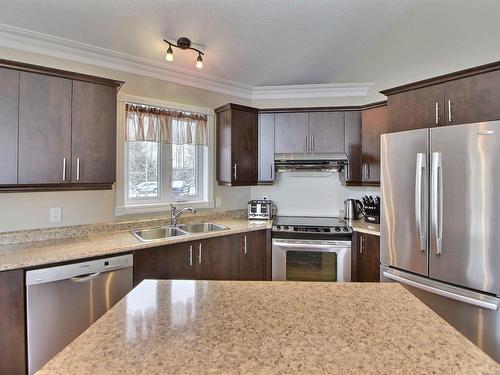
(125, 206)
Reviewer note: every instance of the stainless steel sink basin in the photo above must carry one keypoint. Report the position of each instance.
(146, 235)
(202, 227)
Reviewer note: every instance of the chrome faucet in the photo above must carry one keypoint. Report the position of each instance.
(174, 214)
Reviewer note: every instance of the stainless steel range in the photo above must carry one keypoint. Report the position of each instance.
(311, 249)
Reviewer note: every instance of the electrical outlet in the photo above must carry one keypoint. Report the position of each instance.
(55, 214)
(218, 201)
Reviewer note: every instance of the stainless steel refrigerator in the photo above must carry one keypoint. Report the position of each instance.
(440, 223)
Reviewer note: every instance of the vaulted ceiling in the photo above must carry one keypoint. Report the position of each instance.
(253, 42)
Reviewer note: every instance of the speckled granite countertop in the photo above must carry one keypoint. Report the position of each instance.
(215, 327)
(362, 226)
(32, 254)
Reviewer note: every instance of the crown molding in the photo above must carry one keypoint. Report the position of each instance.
(327, 90)
(44, 44)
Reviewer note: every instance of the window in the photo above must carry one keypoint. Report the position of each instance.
(164, 168)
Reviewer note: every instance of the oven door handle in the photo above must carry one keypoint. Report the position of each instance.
(308, 245)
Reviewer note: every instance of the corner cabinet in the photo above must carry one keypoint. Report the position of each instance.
(243, 256)
(59, 127)
(237, 145)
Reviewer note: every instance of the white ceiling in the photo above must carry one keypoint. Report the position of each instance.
(253, 42)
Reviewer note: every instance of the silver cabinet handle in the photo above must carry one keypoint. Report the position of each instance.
(78, 169)
(312, 143)
(361, 244)
(64, 169)
(368, 170)
(437, 113)
(419, 172)
(199, 253)
(191, 255)
(235, 174)
(449, 111)
(272, 171)
(245, 244)
(306, 145)
(437, 201)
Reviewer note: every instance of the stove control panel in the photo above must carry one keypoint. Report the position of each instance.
(307, 229)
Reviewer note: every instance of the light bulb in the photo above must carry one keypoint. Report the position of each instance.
(199, 62)
(170, 54)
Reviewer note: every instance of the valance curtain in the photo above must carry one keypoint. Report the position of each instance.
(154, 124)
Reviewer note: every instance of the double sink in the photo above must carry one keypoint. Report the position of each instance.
(153, 234)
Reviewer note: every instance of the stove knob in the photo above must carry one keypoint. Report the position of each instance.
(278, 227)
(285, 228)
(337, 229)
(346, 229)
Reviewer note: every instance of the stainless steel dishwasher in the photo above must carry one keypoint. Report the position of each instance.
(64, 301)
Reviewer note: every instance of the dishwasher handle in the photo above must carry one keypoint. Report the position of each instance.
(86, 277)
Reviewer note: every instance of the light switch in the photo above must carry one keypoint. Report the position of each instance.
(55, 214)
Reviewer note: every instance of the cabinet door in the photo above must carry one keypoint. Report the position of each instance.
(93, 136)
(12, 323)
(291, 132)
(416, 109)
(253, 256)
(373, 125)
(9, 109)
(473, 99)
(244, 147)
(352, 173)
(165, 262)
(365, 258)
(326, 131)
(266, 147)
(44, 129)
(224, 163)
(216, 258)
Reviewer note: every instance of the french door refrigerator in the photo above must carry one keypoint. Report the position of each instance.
(440, 223)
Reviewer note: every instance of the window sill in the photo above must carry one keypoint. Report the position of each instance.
(159, 207)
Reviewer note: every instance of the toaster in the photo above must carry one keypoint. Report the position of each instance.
(260, 209)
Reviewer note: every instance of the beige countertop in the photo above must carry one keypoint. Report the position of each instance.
(362, 226)
(234, 327)
(32, 254)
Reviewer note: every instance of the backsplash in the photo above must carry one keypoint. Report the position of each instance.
(310, 196)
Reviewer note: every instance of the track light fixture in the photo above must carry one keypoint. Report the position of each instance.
(184, 44)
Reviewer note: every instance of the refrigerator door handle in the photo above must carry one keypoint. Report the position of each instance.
(437, 201)
(441, 292)
(419, 172)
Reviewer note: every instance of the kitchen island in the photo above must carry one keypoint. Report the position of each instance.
(194, 327)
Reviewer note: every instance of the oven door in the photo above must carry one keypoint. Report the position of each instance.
(311, 260)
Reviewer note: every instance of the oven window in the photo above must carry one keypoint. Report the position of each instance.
(311, 266)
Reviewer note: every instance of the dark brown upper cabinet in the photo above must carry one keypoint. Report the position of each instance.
(237, 145)
(326, 132)
(266, 148)
(93, 136)
(58, 129)
(467, 96)
(373, 125)
(352, 139)
(416, 109)
(9, 125)
(291, 132)
(44, 129)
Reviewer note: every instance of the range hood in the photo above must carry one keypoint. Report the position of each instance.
(328, 162)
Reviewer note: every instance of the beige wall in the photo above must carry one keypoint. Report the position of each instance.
(31, 210)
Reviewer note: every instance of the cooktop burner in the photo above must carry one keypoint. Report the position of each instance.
(310, 224)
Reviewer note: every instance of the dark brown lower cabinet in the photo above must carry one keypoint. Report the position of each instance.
(12, 323)
(253, 256)
(365, 257)
(218, 258)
